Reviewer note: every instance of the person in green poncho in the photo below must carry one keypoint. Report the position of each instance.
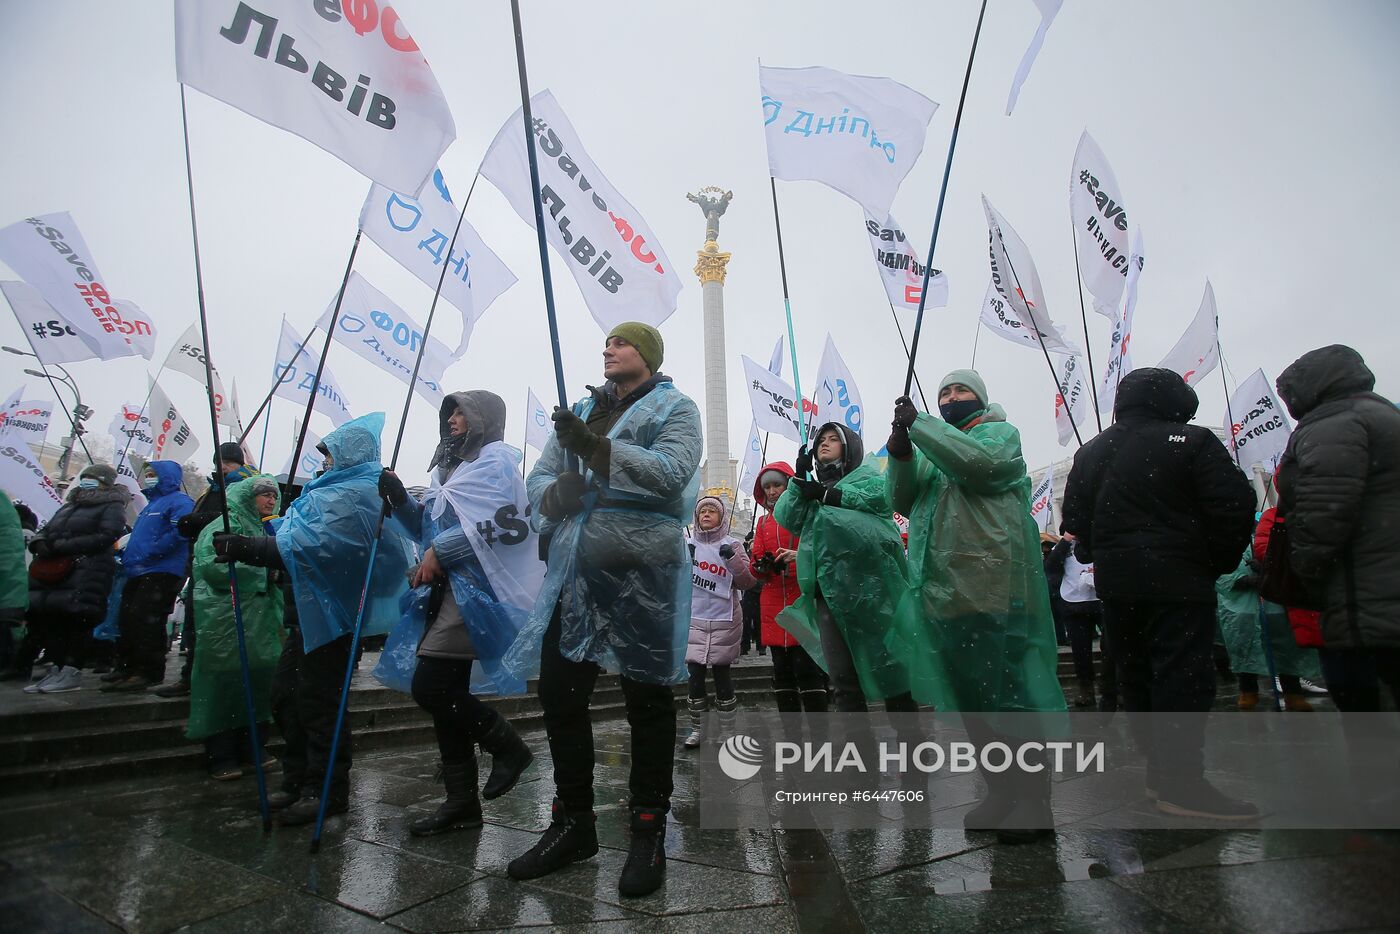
(986, 638)
(850, 568)
(1237, 610)
(218, 712)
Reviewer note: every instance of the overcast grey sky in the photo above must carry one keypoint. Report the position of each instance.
(1255, 143)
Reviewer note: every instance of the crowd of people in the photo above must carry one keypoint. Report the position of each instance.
(603, 558)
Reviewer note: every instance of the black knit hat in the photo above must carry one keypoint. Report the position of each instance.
(231, 452)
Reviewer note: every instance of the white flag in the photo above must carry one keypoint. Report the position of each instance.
(1260, 430)
(384, 334)
(1198, 350)
(418, 233)
(604, 241)
(998, 318)
(753, 461)
(772, 400)
(174, 439)
(345, 76)
(1071, 398)
(131, 430)
(1042, 505)
(50, 254)
(25, 481)
(26, 420)
(53, 339)
(900, 270)
(836, 395)
(1048, 10)
(1119, 353)
(1018, 283)
(126, 470)
(14, 399)
(1100, 226)
(295, 373)
(187, 357)
(136, 324)
(538, 427)
(775, 361)
(868, 132)
(310, 460)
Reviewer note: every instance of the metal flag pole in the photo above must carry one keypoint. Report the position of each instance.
(320, 368)
(787, 309)
(942, 194)
(378, 534)
(1040, 338)
(1225, 385)
(1084, 319)
(254, 737)
(900, 329)
(976, 339)
(763, 456)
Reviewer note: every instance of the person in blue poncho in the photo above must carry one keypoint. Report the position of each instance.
(616, 595)
(324, 543)
(481, 560)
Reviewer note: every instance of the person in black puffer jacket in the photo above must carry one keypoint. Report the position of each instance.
(85, 529)
(1161, 510)
(1339, 487)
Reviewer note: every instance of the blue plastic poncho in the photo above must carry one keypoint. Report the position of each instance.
(619, 571)
(325, 541)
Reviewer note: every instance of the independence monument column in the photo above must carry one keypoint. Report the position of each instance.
(717, 475)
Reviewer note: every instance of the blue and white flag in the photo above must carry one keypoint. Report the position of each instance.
(538, 427)
(836, 395)
(384, 334)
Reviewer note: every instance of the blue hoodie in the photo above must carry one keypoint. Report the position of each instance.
(156, 545)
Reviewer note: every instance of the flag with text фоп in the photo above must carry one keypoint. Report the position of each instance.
(1120, 359)
(868, 131)
(295, 372)
(1071, 398)
(50, 254)
(187, 357)
(900, 270)
(836, 396)
(1100, 226)
(383, 333)
(1017, 282)
(1049, 9)
(173, 438)
(1198, 350)
(131, 429)
(25, 481)
(418, 234)
(1260, 431)
(614, 256)
(538, 426)
(345, 76)
(26, 420)
(774, 408)
(1042, 506)
(53, 339)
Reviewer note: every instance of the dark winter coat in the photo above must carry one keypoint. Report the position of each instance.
(86, 528)
(156, 545)
(1339, 482)
(1156, 504)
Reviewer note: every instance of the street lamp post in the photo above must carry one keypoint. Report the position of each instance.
(80, 413)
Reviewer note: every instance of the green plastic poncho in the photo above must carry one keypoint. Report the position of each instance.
(975, 567)
(852, 556)
(1237, 610)
(216, 683)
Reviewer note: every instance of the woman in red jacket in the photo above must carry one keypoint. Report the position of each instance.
(798, 683)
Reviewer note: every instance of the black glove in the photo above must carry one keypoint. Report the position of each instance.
(904, 413)
(572, 434)
(763, 564)
(809, 489)
(391, 489)
(899, 446)
(229, 547)
(726, 551)
(39, 547)
(568, 492)
(804, 461)
(779, 565)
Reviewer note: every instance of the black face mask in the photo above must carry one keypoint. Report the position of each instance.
(955, 413)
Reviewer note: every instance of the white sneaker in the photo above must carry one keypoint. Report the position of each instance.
(1310, 687)
(67, 679)
(696, 737)
(36, 686)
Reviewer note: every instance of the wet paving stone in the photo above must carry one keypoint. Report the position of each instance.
(290, 912)
(494, 903)
(26, 904)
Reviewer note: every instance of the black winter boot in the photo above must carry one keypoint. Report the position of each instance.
(789, 700)
(510, 757)
(461, 810)
(991, 810)
(645, 868)
(568, 839)
(1030, 818)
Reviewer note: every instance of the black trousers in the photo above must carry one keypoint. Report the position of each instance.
(1081, 625)
(566, 688)
(1164, 658)
(442, 687)
(798, 682)
(724, 684)
(840, 665)
(305, 697)
(187, 634)
(147, 601)
(67, 640)
(1355, 676)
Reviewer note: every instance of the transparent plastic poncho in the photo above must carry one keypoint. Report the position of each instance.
(620, 573)
(984, 626)
(326, 537)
